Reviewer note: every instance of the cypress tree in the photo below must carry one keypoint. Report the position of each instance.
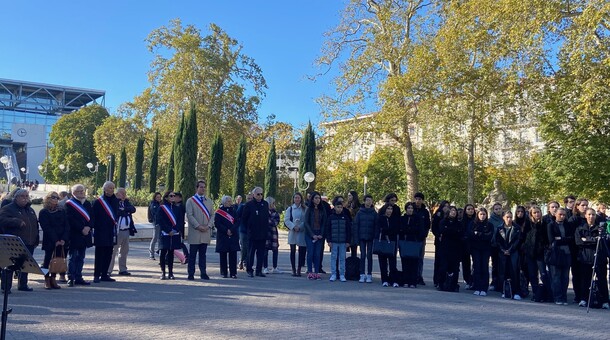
(123, 169)
(271, 172)
(215, 167)
(111, 165)
(188, 146)
(178, 152)
(239, 175)
(307, 161)
(170, 172)
(154, 165)
(137, 181)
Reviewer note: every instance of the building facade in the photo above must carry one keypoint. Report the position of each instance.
(27, 112)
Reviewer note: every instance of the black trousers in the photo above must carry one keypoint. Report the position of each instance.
(384, 261)
(466, 264)
(167, 259)
(256, 247)
(103, 256)
(302, 254)
(232, 256)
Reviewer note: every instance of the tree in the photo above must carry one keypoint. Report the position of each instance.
(380, 40)
(307, 161)
(113, 134)
(576, 123)
(137, 182)
(215, 167)
(239, 175)
(170, 172)
(178, 153)
(111, 167)
(154, 164)
(188, 147)
(123, 169)
(210, 70)
(71, 138)
(271, 172)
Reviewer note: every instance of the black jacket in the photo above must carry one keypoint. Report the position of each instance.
(153, 208)
(77, 222)
(480, 234)
(450, 236)
(387, 228)
(54, 226)
(256, 219)
(507, 239)
(585, 238)
(411, 228)
(309, 222)
(364, 224)
(535, 239)
(20, 221)
(224, 243)
(339, 228)
(104, 227)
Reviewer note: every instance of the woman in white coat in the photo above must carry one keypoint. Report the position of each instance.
(293, 219)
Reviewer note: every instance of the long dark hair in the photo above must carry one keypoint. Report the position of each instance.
(311, 197)
(355, 203)
(166, 197)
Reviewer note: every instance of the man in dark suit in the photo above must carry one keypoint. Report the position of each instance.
(105, 210)
(256, 219)
(79, 216)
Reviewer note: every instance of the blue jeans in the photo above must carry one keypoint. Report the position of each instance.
(366, 254)
(535, 268)
(337, 249)
(194, 249)
(560, 279)
(76, 260)
(313, 254)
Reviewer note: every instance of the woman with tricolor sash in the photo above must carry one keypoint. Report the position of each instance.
(170, 236)
(227, 239)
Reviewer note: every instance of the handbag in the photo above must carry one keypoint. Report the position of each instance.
(58, 263)
(410, 249)
(383, 247)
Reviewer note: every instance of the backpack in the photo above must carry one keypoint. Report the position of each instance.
(352, 268)
(451, 283)
(595, 301)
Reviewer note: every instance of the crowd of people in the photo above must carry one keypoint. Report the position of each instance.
(525, 248)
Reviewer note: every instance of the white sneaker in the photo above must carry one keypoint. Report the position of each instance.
(582, 303)
(369, 278)
(385, 284)
(503, 296)
(333, 278)
(395, 285)
(265, 271)
(517, 297)
(559, 303)
(482, 293)
(492, 287)
(342, 278)
(362, 278)
(276, 271)
(476, 292)
(606, 306)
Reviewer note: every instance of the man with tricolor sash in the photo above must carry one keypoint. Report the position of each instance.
(105, 210)
(200, 221)
(79, 217)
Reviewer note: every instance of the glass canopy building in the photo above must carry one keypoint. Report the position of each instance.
(27, 113)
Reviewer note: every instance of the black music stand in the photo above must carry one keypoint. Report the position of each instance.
(14, 256)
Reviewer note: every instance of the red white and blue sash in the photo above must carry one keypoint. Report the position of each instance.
(201, 206)
(169, 213)
(225, 215)
(107, 208)
(79, 208)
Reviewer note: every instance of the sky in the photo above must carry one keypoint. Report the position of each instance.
(100, 45)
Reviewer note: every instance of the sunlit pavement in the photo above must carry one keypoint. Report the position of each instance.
(279, 306)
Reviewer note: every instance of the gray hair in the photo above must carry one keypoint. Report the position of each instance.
(106, 184)
(270, 200)
(76, 187)
(21, 192)
(255, 188)
(225, 198)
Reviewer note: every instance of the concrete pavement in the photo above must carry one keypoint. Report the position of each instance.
(280, 306)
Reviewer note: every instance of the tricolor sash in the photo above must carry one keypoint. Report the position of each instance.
(225, 215)
(107, 208)
(78, 207)
(169, 213)
(201, 206)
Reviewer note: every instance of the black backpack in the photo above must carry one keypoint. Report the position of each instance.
(352, 268)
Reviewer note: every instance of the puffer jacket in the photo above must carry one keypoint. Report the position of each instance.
(364, 224)
(339, 229)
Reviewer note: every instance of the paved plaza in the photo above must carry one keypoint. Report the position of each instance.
(280, 306)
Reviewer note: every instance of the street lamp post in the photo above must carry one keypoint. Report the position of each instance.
(65, 169)
(26, 172)
(307, 177)
(366, 181)
(6, 164)
(93, 169)
(40, 171)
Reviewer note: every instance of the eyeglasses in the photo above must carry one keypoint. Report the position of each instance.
(54, 197)
(259, 194)
(171, 196)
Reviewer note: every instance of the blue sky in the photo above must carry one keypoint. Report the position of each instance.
(100, 45)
